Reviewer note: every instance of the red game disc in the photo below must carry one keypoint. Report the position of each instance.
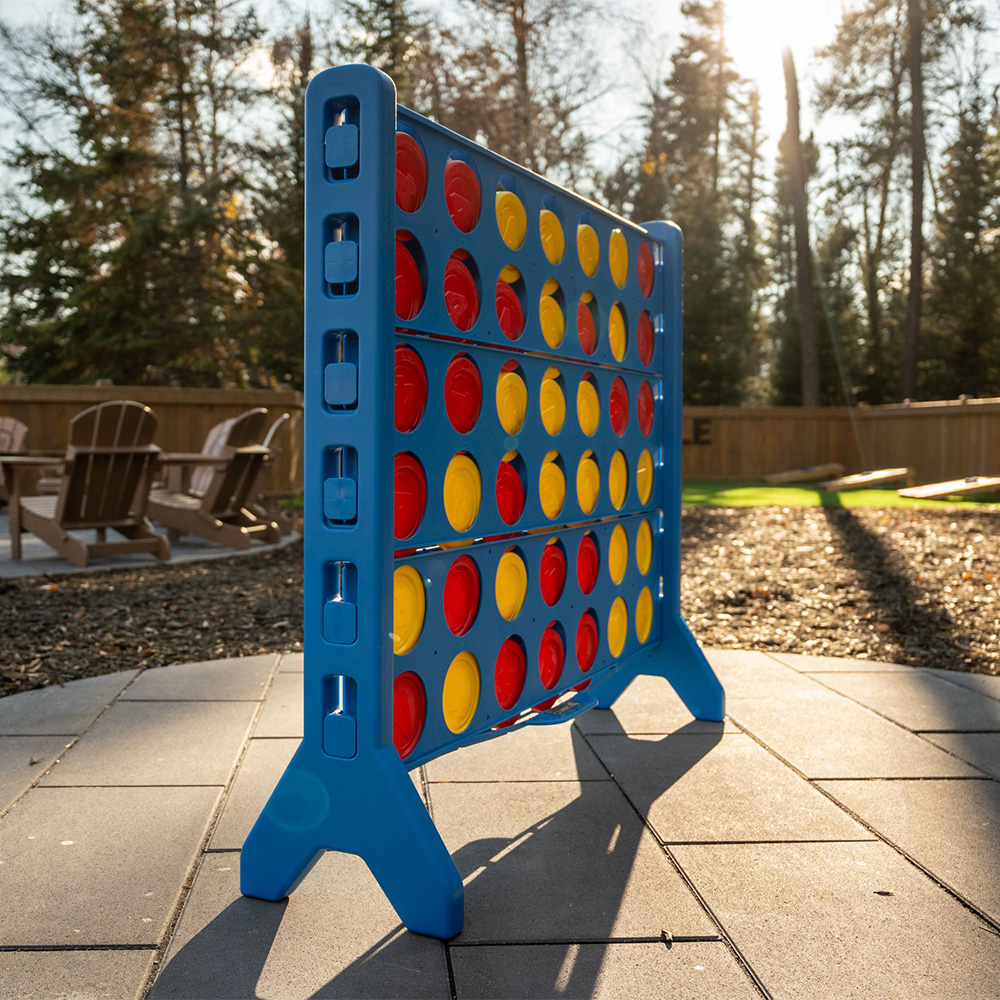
(586, 641)
(551, 657)
(463, 393)
(585, 328)
(644, 338)
(588, 564)
(509, 311)
(411, 173)
(411, 389)
(462, 194)
(409, 287)
(582, 685)
(507, 722)
(409, 708)
(552, 573)
(645, 409)
(618, 405)
(544, 706)
(644, 269)
(461, 595)
(510, 493)
(410, 489)
(508, 677)
(461, 298)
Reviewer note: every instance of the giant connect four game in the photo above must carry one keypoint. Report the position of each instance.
(492, 480)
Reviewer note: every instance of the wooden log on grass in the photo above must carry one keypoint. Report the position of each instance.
(954, 488)
(809, 474)
(876, 478)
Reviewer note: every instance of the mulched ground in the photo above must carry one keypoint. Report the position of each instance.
(906, 586)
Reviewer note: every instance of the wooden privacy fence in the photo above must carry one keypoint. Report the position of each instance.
(940, 441)
(944, 440)
(184, 417)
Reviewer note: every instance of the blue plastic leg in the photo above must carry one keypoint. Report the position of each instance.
(680, 660)
(322, 804)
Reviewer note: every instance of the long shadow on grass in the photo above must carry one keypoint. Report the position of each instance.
(923, 630)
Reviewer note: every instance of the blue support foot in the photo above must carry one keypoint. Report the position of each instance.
(680, 660)
(375, 812)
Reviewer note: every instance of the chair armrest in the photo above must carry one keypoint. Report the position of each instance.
(191, 458)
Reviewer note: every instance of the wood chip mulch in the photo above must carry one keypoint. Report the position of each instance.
(905, 586)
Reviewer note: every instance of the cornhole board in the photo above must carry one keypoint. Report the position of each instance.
(492, 480)
(955, 488)
(809, 474)
(876, 478)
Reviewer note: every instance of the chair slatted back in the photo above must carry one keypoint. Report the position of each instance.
(109, 464)
(215, 441)
(275, 427)
(13, 435)
(230, 486)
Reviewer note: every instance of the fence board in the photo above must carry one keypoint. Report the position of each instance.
(940, 440)
(184, 417)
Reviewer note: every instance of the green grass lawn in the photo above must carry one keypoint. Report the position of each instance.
(752, 493)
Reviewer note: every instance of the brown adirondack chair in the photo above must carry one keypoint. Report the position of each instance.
(220, 509)
(13, 440)
(280, 518)
(106, 475)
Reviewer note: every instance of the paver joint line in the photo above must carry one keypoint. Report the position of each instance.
(818, 784)
(213, 822)
(76, 947)
(738, 956)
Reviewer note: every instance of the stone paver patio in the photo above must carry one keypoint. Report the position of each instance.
(836, 837)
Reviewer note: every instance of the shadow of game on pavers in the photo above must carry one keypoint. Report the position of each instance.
(577, 860)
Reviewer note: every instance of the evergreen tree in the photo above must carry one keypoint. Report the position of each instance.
(700, 168)
(124, 253)
(965, 290)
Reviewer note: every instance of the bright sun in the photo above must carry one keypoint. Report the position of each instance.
(759, 30)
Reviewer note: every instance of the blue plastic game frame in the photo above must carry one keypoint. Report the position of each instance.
(347, 788)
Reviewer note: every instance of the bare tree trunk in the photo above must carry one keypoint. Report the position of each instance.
(803, 251)
(519, 23)
(911, 331)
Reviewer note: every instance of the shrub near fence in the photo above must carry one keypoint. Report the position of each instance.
(184, 415)
(939, 440)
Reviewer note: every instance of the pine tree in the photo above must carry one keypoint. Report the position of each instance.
(700, 168)
(124, 253)
(965, 289)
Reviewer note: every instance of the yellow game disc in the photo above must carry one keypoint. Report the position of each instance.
(511, 219)
(617, 338)
(512, 401)
(617, 626)
(644, 476)
(551, 486)
(588, 482)
(551, 231)
(644, 547)
(618, 480)
(618, 258)
(588, 249)
(588, 408)
(643, 614)
(463, 490)
(552, 321)
(408, 607)
(618, 554)
(511, 585)
(461, 692)
(552, 402)
(509, 274)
